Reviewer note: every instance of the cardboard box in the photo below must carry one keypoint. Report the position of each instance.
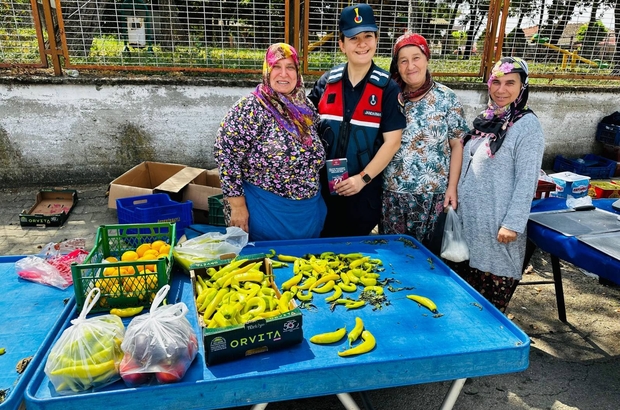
(51, 208)
(206, 184)
(257, 336)
(569, 183)
(174, 179)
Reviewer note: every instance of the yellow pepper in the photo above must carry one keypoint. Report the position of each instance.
(214, 304)
(304, 298)
(292, 281)
(84, 371)
(284, 302)
(356, 332)
(325, 279)
(358, 262)
(329, 337)
(366, 346)
(337, 293)
(355, 305)
(127, 312)
(326, 287)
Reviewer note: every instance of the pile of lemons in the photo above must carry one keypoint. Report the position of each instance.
(134, 280)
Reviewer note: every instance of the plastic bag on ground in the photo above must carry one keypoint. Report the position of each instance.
(159, 345)
(87, 354)
(453, 246)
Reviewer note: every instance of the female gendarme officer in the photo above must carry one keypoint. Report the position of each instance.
(362, 121)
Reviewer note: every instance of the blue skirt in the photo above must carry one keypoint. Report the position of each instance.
(273, 217)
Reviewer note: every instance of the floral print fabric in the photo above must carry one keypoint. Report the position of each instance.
(252, 146)
(414, 215)
(422, 163)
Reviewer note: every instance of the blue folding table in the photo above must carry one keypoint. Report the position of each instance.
(569, 248)
(469, 339)
(32, 314)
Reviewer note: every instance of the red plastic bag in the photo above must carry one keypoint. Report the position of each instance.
(55, 271)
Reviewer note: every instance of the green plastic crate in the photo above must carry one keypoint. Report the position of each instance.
(216, 210)
(123, 284)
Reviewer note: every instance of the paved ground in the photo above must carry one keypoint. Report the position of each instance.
(574, 365)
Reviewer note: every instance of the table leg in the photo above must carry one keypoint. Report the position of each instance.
(559, 289)
(453, 394)
(347, 401)
(345, 398)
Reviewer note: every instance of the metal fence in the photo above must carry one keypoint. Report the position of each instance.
(562, 39)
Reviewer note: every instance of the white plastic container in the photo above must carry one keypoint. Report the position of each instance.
(569, 183)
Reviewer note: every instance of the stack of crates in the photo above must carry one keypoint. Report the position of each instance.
(609, 136)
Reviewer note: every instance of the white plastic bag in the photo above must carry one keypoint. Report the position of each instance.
(210, 245)
(88, 353)
(160, 344)
(453, 246)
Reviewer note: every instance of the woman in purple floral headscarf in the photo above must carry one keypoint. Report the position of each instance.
(269, 155)
(501, 163)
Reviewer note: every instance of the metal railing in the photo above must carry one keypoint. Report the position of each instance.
(227, 37)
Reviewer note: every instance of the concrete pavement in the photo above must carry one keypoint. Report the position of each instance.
(573, 366)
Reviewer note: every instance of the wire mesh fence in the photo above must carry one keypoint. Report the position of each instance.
(561, 39)
(444, 25)
(169, 33)
(19, 43)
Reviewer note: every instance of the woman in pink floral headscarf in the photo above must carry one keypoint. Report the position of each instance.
(501, 162)
(269, 155)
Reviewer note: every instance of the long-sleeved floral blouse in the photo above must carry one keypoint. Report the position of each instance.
(251, 146)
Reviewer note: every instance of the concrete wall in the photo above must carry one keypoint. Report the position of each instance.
(73, 131)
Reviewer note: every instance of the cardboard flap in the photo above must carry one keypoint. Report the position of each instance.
(179, 180)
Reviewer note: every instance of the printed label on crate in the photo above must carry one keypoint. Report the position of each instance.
(337, 171)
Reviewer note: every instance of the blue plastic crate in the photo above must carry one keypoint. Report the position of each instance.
(155, 208)
(589, 165)
(608, 133)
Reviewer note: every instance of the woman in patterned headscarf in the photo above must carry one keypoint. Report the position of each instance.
(269, 155)
(420, 181)
(501, 162)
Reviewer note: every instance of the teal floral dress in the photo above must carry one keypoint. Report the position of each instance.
(416, 179)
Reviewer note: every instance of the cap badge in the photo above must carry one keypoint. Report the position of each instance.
(358, 18)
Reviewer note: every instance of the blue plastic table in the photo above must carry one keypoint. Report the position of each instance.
(570, 249)
(32, 314)
(471, 339)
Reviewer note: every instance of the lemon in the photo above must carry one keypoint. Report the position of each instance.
(151, 254)
(111, 272)
(129, 256)
(111, 259)
(165, 248)
(158, 244)
(140, 250)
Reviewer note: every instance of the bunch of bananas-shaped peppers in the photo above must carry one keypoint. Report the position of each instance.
(331, 272)
(237, 293)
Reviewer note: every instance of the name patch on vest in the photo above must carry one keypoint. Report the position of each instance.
(372, 113)
(331, 98)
